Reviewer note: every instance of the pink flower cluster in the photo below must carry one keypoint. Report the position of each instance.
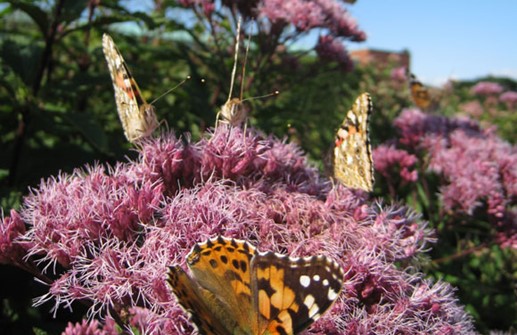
(509, 98)
(91, 328)
(11, 229)
(277, 18)
(390, 161)
(207, 6)
(472, 108)
(486, 88)
(399, 74)
(328, 48)
(114, 232)
(306, 15)
(415, 126)
(478, 169)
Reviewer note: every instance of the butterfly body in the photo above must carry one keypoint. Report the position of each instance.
(233, 112)
(353, 162)
(138, 118)
(235, 289)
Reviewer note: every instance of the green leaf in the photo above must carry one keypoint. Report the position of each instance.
(90, 129)
(39, 16)
(10, 199)
(147, 19)
(72, 10)
(424, 199)
(21, 58)
(38, 331)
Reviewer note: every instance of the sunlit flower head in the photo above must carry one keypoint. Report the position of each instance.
(114, 232)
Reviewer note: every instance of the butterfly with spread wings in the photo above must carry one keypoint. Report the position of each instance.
(235, 289)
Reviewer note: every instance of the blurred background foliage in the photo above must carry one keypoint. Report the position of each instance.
(57, 112)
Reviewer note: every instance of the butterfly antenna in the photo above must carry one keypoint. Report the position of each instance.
(244, 65)
(237, 38)
(172, 89)
(262, 96)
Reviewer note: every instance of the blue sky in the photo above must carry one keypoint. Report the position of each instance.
(460, 39)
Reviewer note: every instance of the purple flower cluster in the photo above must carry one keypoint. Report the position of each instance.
(486, 88)
(477, 168)
(114, 232)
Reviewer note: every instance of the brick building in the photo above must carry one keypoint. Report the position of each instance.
(381, 58)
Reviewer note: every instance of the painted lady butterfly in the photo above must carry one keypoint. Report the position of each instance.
(137, 116)
(419, 93)
(353, 162)
(235, 289)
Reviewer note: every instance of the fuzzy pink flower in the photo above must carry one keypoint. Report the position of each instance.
(89, 328)
(339, 22)
(509, 98)
(331, 49)
(471, 164)
(188, 3)
(11, 228)
(478, 170)
(115, 231)
(399, 74)
(413, 126)
(85, 328)
(69, 211)
(472, 108)
(507, 237)
(387, 158)
(306, 15)
(287, 21)
(208, 8)
(486, 88)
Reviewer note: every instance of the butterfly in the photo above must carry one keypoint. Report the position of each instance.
(233, 112)
(137, 116)
(419, 93)
(353, 162)
(235, 289)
